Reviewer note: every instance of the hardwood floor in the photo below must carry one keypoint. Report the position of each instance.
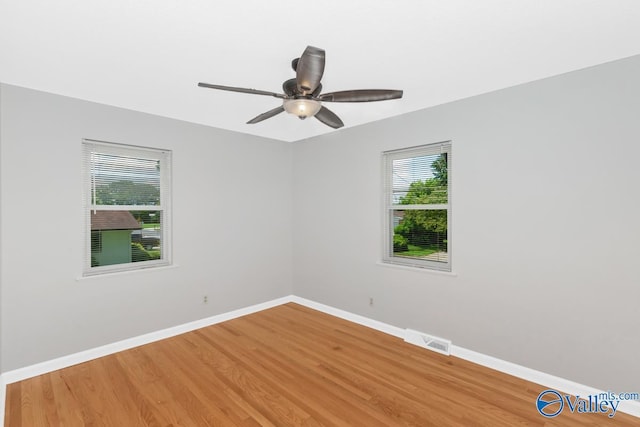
(286, 366)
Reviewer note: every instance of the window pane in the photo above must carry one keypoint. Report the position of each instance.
(122, 237)
(147, 241)
(420, 180)
(122, 180)
(420, 234)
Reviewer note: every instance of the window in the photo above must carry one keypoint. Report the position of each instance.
(417, 206)
(127, 207)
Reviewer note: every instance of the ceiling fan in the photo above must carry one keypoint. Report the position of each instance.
(302, 96)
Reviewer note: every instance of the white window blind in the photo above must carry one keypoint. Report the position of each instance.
(417, 206)
(127, 200)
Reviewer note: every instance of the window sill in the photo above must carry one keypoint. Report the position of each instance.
(126, 272)
(417, 269)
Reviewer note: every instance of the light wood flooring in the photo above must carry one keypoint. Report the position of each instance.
(286, 366)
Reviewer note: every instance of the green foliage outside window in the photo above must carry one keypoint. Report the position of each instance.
(127, 193)
(424, 229)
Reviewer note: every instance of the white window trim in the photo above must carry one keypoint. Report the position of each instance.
(387, 219)
(164, 157)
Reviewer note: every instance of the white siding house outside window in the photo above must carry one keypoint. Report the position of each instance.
(417, 206)
(127, 201)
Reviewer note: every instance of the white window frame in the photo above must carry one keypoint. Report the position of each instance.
(164, 158)
(389, 207)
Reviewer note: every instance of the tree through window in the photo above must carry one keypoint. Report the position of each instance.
(417, 206)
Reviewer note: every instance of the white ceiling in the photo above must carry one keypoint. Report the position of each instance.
(149, 55)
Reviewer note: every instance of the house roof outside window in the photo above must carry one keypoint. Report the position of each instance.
(113, 220)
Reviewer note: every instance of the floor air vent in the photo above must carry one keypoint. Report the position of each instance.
(430, 342)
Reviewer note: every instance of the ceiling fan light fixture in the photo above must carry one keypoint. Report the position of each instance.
(302, 107)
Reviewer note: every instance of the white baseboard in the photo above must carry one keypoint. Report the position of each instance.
(538, 377)
(105, 350)
(546, 380)
(355, 318)
(631, 407)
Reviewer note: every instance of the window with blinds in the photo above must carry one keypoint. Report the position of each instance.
(417, 206)
(127, 199)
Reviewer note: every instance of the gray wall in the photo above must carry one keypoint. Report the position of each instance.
(231, 227)
(1, 237)
(546, 225)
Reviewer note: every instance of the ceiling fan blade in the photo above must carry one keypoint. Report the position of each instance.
(362, 95)
(309, 70)
(267, 115)
(329, 118)
(241, 89)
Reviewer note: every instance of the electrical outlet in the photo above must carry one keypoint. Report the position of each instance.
(370, 301)
(205, 299)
